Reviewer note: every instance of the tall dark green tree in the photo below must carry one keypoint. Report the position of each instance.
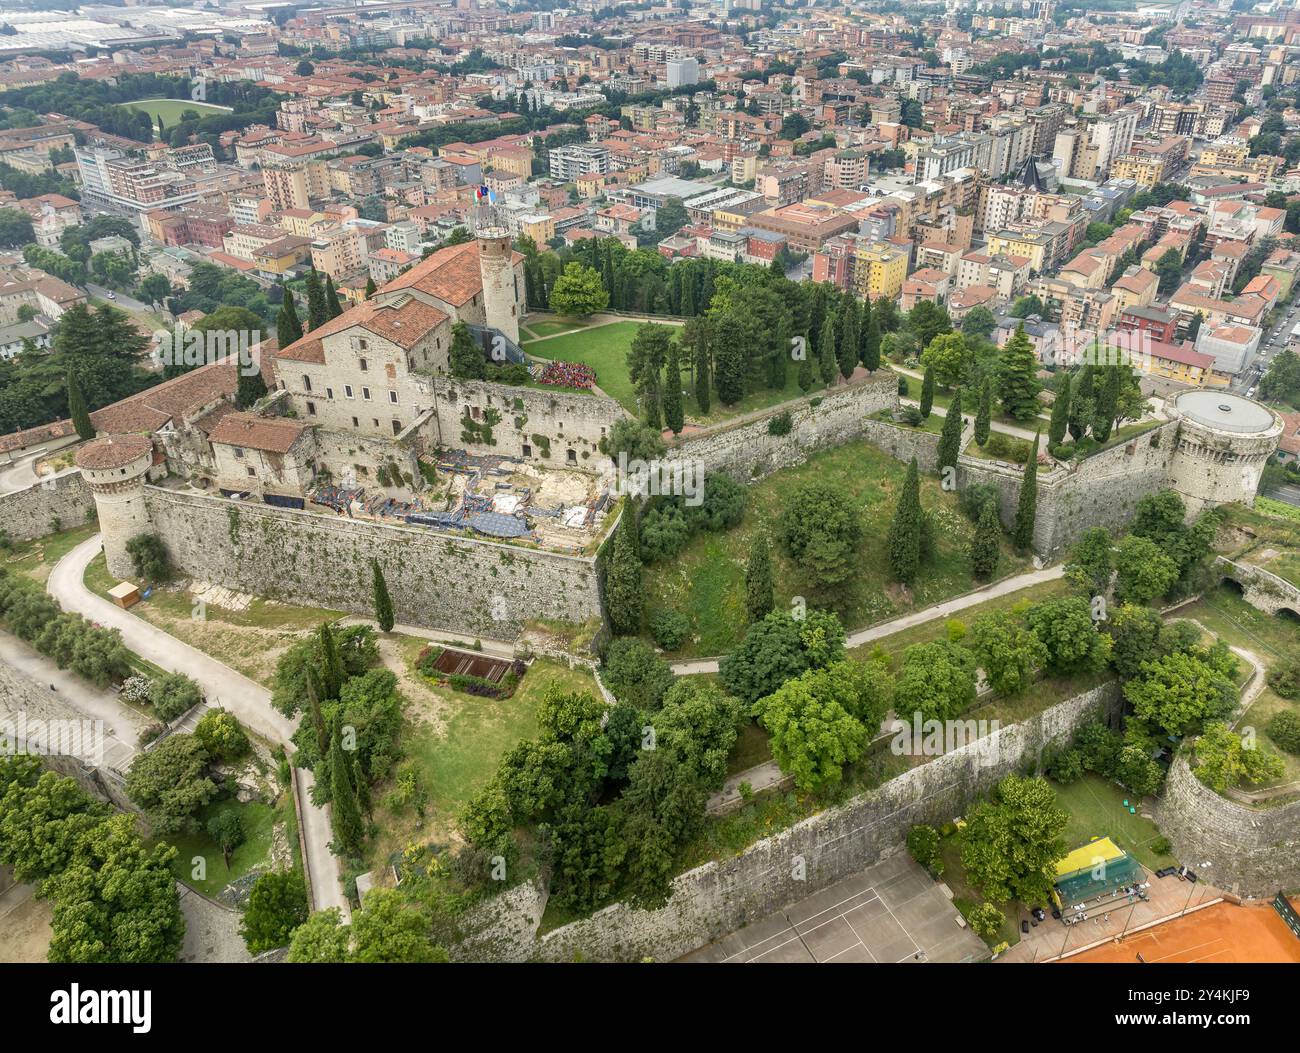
(623, 591)
(1081, 404)
(703, 377)
(826, 365)
(1018, 377)
(77, 409)
(905, 530)
(1027, 506)
(287, 327)
(871, 341)
(313, 691)
(371, 288)
(383, 602)
(984, 413)
(1060, 413)
(332, 306)
(846, 351)
(805, 375)
(331, 661)
(345, 812)
(760, 595)
(950, 437)
(927, 391)
(731, 344)
(250, 386)
(674, 414)
(317, 311)
(1103, 418)
(985, 545)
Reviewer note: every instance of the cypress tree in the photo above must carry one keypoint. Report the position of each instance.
(871, 354)
(1027, 507)
(312, 686)
(383, 602)
(317, 312)
(730, 348)
(332, 306)
(331, 662)
(864, 329)
(984, 413)
(1019, 377)
(362, 787)
(805, 374)
(1060, 414)
(702, 379)
(673, 413)
(927, 391)
(250, 387)
(985, 547)
(623, 593)
(1081, 405)
(760, 597)
(77, 409)
(846, 353)
(905, 530)
(371, 288)
(1107, 405)
(826, 365)
(950, 437)
(287, 327)
(349, 833)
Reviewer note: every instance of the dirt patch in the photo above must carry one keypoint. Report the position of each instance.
(425, 704)
(24, 925)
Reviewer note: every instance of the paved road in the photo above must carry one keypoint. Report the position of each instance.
(907, 621)
(1273, 341)
(118, 299)
(250, 702)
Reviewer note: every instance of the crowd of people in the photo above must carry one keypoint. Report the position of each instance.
(568, 375)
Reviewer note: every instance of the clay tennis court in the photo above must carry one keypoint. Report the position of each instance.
(1221, 933)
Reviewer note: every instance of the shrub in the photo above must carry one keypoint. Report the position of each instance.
(635, 674)
(985, 920)
(1161, 846)
(923, 845)
(1065, 766)
(149, 557)
(222, 735)
(1284, 729)
(137, 689)
(781, 424)
(912, 416)
(1284, 675)
(975, 497)
(669, 629)
(174, 694)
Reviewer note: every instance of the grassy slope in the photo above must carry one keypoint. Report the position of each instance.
(706, 581)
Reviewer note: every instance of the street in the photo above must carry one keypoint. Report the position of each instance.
(1274, 340)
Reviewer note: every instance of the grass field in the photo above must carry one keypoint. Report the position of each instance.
(1097, 810)
(605, 347)
(172, 110)
(35, 559)
(706, 581)
(258, 821)
(535, 330)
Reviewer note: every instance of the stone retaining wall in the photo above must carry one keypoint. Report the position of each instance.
(29, 513)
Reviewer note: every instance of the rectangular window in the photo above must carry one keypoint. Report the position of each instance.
(356, 423)
(311, 409)
(251, 471)
(392, 397)
(365, 394)
(239, 454)
(306, 382)
(364, 365)
(347, 390)
(397, 426)
(329, 393)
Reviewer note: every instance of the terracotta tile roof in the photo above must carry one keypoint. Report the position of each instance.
(450, 274)
(404, 324)
(272, 434)
(113, 451)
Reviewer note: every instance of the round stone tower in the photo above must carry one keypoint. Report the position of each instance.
(114, 467)
(1224, 441)
(502, 296)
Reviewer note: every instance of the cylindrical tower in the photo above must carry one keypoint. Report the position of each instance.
(502, 296)
(114, 467)
(1224, 441)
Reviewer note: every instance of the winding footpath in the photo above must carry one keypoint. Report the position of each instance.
(224, 687)
(907, 621)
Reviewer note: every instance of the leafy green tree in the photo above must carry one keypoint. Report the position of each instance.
(1145, 572)
(77, 410)
(371, 288)
(926, 321)
(1070, 635)
(923, 844)
(44, 818)
(846, 352)
(1223, 760)
(1018, 384)
(780, 648)
(1107, 404)
(171, 783)
(465, 356)
(1012, 842)
(1060, 421)
(927, 392)
(985, 920)
(321, 939)
(390, 929)
(732, 340)
(986, 543)
(277, 904)
(1091, 561)
(251, 386)
(871, 338)
(383, 602)
(1169, 269)
(760, 588)
(1027, 503)
(623, 590)
(937, 681)
(646, 358)
(220, 733)
(1135, 638)
(149, 558)
(332, 306)
(1008, 652)
(636, 674)
(949, 357)
(984, 414)
(227, 832)
(633, 439)
(950, 437)
(820, 530)
(1178, 693)
(578, 292)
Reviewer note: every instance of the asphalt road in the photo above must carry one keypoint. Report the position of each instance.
(1274, 340)
(248, 701)
(117, 299)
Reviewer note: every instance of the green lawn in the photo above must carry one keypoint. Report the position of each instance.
(705, 582)
(550, 328)
(1097, 810)
(258, 820)
(35, 559)
(605, 347)
(171, 110)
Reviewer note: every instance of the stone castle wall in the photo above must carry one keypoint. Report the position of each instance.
(720, 897)
(1251, 851)
(748, 451)
(29, 513)
(1260, 588)
(462, 584)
